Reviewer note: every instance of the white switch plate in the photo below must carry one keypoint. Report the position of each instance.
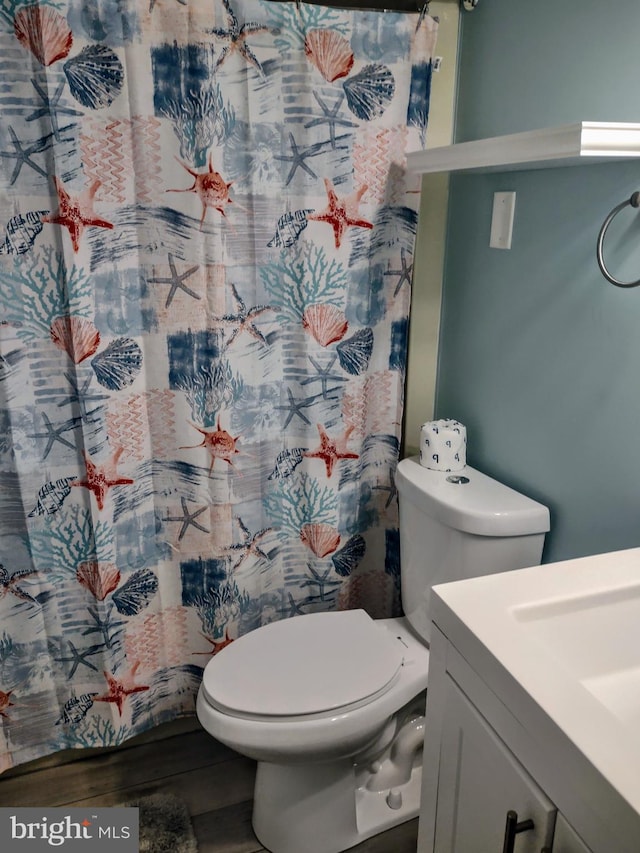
(504, 205)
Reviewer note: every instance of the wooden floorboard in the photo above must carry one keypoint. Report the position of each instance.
(400, 839)
(227, 830)
(205, 789)
(215, 783)
(99, 775)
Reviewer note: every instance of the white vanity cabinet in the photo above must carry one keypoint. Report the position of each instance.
(566, 840)
(480, 783)
(533, 707)
(472, 780)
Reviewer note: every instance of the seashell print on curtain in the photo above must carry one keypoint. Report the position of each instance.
(206, 246)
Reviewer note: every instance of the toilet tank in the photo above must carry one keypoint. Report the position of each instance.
(460, 525)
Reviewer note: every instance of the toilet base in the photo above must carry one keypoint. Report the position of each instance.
(326, 808)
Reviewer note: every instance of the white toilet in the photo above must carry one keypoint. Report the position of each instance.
(331, 704)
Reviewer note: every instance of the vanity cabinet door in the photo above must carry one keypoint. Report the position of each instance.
(566, 839)
(479, 782)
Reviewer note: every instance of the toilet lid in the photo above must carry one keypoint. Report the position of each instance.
(304, 665)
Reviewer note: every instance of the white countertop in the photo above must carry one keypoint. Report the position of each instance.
(568, 634)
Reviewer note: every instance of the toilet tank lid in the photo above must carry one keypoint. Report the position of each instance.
(482, 506)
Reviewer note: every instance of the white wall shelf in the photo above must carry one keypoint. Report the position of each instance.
(567, 145)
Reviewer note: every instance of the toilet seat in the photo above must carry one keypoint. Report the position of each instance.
(304, 666)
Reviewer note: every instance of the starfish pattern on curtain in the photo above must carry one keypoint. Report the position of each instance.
(206, 229)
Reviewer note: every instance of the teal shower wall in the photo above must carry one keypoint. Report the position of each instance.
(539, 355)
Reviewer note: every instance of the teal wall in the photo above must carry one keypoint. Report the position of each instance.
(526, 64)
(539, 355)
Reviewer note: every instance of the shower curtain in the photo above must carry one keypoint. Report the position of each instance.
(206, 246)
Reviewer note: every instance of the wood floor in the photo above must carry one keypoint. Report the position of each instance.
(215, 782)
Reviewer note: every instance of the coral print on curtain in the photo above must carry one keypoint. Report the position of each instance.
(206, 246)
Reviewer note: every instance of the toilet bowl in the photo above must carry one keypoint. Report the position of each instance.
(327, 704)
(331, 704)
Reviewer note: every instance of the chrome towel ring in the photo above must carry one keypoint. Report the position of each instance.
(634, 201)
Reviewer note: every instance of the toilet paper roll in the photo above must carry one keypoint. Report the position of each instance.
(443, 445)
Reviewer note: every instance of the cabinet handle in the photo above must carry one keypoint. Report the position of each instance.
(512, 828)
